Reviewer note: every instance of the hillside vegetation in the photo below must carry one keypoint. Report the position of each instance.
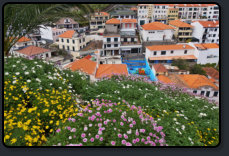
(46, 106)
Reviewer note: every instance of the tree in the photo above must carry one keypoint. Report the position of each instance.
(22, 19)
(197, 69)
(180, 63)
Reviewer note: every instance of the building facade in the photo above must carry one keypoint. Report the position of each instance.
(51, 34)
(67, 23)
(98, 20)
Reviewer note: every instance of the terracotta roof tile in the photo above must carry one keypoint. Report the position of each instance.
(211, 72)
(160, 68)
(164, 79)
(88, 57)
(169, 47)
(209, 24)
(207, 46)
(196, 81)
(128, 21)
(194, 5)
(178, 23)
(103, 14)
(85, 65)
(185, 57)
(67, 34)
(109, 69)
(24, 39)
(32, 50)
(156, 26)
(113, 21)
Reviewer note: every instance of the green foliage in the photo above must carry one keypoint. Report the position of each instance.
(180, 63)
(197, 69)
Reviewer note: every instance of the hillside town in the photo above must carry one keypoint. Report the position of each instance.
(144, 39)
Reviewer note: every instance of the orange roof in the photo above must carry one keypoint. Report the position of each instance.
(133, 8)
(110, 69)
(169, 47)
(207, 24)
(178, 23)
(211, 72)
(185, 57)
(24, 39)
(32, 50)
(156, 26)
(207, 46)
(196, 81)
(85, 65)
(113, 21)
(103, 14)
(67, 34)
(160, 68)
(164, 79)
(195, 5)
(88, 57)
(129, 21)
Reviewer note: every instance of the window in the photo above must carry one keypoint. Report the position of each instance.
(214, 35)
(202, 92)
(67, 40)
(73, 48)
(155, 53)
(213, 41)
(215, 94)
(109, 45)
(80, 40)
(115, 45)
(73, 41)
(132, 39)
(67, 47)
(108, 39)
(195, 91)
(53, 34)
(163, 52)
(116, 39)
(83, 39)
(171, 51)
(63, 47)
(185, 52)
(62, 40)
(208, 93)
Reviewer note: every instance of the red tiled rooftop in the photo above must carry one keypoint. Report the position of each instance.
(113, 21)
(178, 23)
(164, 79)
(67, 34)
(207, 46)
(156, 26)
(110, 69)
(32, 50)
(160, 68)
(169, 47)
(211, 72)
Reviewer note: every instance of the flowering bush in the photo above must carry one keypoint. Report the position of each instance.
(186, 120)
(104, 123)
(34, 104)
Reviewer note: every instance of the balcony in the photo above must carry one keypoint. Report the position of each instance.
(185, 30)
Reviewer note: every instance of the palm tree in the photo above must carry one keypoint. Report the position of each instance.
(22, 19)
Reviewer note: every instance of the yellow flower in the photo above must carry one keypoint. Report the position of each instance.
(46, 127)
(51, 121)
(208, 129)
(51, 130)
(7, 137)
(13, 140)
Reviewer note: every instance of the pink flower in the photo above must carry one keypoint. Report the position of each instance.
(113, 143)
(131, 125)
(137, 140)
(148, 138)
(101, 139)
(83, 135)
(73, 120)
(123, 141)
(125, 136)
(114, 120)
(85, 140)
(73, 130)
(137, 133)
(100, 124)
(119, 135)
(105, 122)
(97, 136)
(143, 140)
(121, 123)
(92, 139)
(58, 130)
(128, 144)
(134, 141)
(142, 130)
(69, 128)
(151, 134)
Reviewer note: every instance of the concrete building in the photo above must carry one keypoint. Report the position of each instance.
(98, 20)
(51, 34)
(157, 31)
(22, 43)
(123, 13)
(167, 53)
(183, 31)
(172, 14)
(207, 53)
(67, 23)
(206, 31)
(72, 42)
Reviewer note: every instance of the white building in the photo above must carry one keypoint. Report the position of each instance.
(67, 23)
(51, 34)
(206, 31)
(111, 45)
(166, 53)
(157, 31)
(207, 52)
(21, 43)
(72, 42)
(142, 13)
(160, 13)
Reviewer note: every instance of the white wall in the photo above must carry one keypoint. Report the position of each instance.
(157, 35)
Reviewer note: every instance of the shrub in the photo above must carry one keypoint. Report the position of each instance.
(104, 123)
